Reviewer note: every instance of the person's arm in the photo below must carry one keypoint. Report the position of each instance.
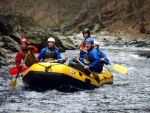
(82, 60)
(104, 57)
(95, 58)
(18, 59)
(58, 56)
(41, 55)
(33, 49)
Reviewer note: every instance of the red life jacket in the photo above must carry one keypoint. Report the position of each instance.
(82, 45)
(29, 58)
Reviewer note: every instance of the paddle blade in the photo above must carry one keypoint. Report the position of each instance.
(94, 75)
(13, 83)
(14, 70)
(119, 68)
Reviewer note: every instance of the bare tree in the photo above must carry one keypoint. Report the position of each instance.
(138, 4)
(100, 15)
(129, 9)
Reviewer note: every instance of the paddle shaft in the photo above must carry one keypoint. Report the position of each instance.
(83, 65)
(14, 70)
(107, 62)
(92, 73)
(56, 60)
(119, 68)
(14, 82)
(18, 72)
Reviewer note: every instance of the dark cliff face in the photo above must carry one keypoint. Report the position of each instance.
(16, 26)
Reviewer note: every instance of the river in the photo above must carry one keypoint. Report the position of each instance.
(130, 93)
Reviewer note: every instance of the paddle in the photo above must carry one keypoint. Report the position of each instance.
(14, 70)
(92, 73)
(14, 82)
(56, 60)
(119, 68)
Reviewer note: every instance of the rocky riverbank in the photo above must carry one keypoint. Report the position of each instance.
(15, 26)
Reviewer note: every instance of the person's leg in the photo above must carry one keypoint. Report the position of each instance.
(98, 69)
(79, 67)
(71, 60)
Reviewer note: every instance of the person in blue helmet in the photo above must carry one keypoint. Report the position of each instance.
(91, 59)
(86, 34)
(50, 53)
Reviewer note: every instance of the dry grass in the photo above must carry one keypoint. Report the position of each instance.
(50, 12)
(120, 23)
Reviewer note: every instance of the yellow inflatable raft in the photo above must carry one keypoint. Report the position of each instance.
(54, 75)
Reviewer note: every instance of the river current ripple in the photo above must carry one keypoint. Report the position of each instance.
(129, 93)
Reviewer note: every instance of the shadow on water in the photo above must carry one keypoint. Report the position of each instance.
(64, 88)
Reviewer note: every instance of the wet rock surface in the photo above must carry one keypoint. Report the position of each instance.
(15, 26)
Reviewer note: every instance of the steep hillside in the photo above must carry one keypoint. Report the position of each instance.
(120, 22)
(77, 14)
(118, 17)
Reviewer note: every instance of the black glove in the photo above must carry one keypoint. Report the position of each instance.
(30, 47)
(61, 61)
(19, 68)
(106, 63)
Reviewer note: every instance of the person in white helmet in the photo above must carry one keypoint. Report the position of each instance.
(50, 53)
(102, 55)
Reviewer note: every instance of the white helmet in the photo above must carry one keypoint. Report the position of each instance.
(50, 39)
(96, 42)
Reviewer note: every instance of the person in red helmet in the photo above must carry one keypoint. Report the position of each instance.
(86, 34)
(26, 53)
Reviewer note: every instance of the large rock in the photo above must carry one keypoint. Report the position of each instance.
(10, 44)
(15, 26)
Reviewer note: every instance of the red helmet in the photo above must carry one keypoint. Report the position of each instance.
(23, 40)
